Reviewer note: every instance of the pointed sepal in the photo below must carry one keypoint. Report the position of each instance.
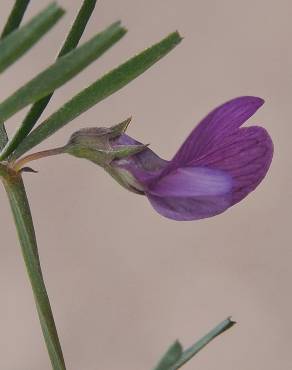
(120, 128)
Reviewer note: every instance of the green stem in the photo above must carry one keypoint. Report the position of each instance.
(23, 220)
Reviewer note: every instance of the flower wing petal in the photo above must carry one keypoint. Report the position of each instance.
(192, 182)
(246, 155)
(221, 122)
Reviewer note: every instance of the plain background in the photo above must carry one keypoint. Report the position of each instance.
(124, 282)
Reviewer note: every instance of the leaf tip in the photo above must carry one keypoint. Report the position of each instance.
(227, 324)
(230, 321)
(55, 7)
(176, 36)
(118, 27)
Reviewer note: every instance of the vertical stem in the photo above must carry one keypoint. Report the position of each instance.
(24, 224)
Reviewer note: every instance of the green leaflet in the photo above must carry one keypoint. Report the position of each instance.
(175, 357)
(99, 90)
(61, 71)
(198, 346)
(13, 22)
(13, 46)
(37, 109)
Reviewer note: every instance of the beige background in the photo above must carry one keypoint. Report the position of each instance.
(123, 281)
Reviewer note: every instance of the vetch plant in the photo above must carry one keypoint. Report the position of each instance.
(217, 166)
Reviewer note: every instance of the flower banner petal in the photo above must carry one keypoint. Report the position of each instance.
(221, 122)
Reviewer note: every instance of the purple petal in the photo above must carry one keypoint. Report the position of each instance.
(221, 122)
(246, 155)
(124, 139)
(192, 182)
(187, 209)
(191, 193)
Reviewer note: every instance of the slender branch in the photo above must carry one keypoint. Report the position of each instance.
(24, 224)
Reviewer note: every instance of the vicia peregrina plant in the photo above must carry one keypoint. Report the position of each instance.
(218, 165)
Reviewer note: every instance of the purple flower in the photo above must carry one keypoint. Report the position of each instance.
(218, 165)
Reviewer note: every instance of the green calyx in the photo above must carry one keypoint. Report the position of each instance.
(96, 144)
